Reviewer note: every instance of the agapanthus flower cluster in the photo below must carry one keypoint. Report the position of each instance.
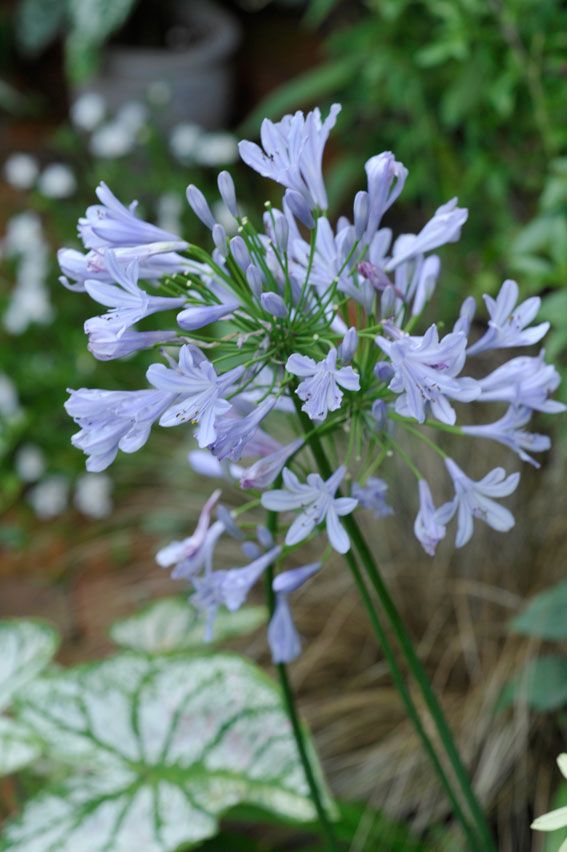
(302, 324)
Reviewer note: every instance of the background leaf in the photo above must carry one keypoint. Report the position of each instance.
(18, 746)
(159, 747)
(26, 647)
(541, 685)
(173, 624)
(546, 614)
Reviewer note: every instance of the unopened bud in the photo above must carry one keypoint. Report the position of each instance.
(274, 304)
(254, 278)
(240, 252)
(219, 239)
(388, 301)
(198, 204)
(227, 191)
(299, 207)
(361, 209)
(348, 346)
(380, 413)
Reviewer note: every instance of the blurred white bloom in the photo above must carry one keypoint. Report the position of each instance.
(159, 93)
(224, 217)
(132, 115)
(21, 171)
(22, 232)
(184, 140)
(29, 300)
(93, 495)
(29, 462)
(57, 181)
(112, 140)
(49, 498)
(169, 209)
(216, 149)
(88, 111)
(9, 404)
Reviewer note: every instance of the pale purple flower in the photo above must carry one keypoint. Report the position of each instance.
(107, 343)
(198, 389)
(426, 281)
(361, 211)
(430, 523)
(372, 495)
(508, 431)
(474, 500)
(319, 389)
(234, 434)
(283, 638)
(317, 499)
(240, 252)
(379, 412)
(264, 471)
(128, 302)
(508, 321)
(111, 224)
(466, 316)
(113, 420)
(205, 464)
(155, 260)
(188, 555)
(198, 204)
(382, 170)
(292, 153)
(523, 381)
(348, 346)
(300, 207)
(444, 227)
(273, 304)
(198, 316)
(425, 371)
(228, 193)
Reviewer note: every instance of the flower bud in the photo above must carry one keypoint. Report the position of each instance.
(274, 304)
(219, 239)
(348, 346)
(299, 207)
(388, 301)
(380, 413)
(361, 210)
(282, 233)
(198, 204)
(254, 278)
(240, 252)
(227, 191)
(384, 371)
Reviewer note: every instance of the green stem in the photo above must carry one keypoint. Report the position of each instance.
(324, 821)
(409, 652)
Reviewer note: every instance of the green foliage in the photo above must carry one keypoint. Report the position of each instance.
(552, 840)
(545, 615)
(172, 625)
(540, 685)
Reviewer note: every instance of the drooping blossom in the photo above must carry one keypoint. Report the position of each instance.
(283, 638)
(474, 500)
(106, 342)
(198, 389)
(425, 371)
(523, 381)
(317, 499)
(236, 434)
(372, 495)
(319, 389)
(264, 471)
(444, 227)
(189, 555)
(113, 420)
(429, 526)
(382, 170)
(508, 431)
(508, 321)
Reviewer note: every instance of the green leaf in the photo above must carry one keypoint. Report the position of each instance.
(158, 749)
(302, 91)
(92, 22)
(172, 624)
(18, 746)
(26, 647)
(38, 22)
(541, 685)
(546, 614)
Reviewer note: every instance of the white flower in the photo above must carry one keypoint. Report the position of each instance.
(57, 181)
(49, 498)
(21, 171)
(557, 818)
(184, 140)
(88, 111)
(216, 149)
(93, 495)
(112, 140)
(29, 462)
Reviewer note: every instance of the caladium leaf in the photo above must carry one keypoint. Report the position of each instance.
(173, 624)
(18, 745)
(25, 649)
(159, 747)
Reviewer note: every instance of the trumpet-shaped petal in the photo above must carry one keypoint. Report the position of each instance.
(237, 434)
(508, 321)
(474, 500)
(523, 381)
(189, 555)
(319, 388)
(424, 372)
(106, 343)
(264, 471)
(317, 499)
(429, 526)
(444, 227)
(508, 430)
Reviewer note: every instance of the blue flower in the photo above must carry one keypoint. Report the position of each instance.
(264, 471)
(382, 170)
(190, 555)
(106, 343)
(320, 380)
(317, 499)
(372, 495)
(235, 433)
(507, 324)
(523, 381)
(474, 500)
(155, 259)
(508, 430)
(283, 638)
(429, 526)
(444, 227)
(293, 153)
(198, 389)
(197, 316)
(111, 224)
(424, 373)
(129, 303)
(113, 420)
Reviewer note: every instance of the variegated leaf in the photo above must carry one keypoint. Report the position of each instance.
(18, 745)
(159, 748)
(172, 624)
(25, 649)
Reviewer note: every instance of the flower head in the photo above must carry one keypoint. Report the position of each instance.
(508, 321)
(319, 388)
